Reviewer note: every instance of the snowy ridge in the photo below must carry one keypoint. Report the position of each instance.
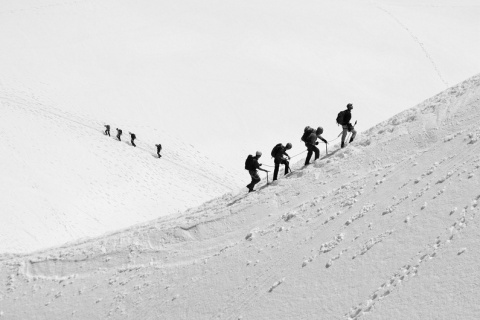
(386, 228)
(111, 185)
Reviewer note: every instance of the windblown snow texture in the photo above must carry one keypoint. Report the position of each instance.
(387, 228)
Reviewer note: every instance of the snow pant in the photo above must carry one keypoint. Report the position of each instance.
(311, 149)
(118, 137)
(346, 129)
(133, 143)
(107, 132)
(278, 162)
(255, 179)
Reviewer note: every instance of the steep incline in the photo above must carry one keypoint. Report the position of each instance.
(387, 228)
(64, 179)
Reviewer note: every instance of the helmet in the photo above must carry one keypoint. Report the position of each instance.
(258, 154)
(319, 130)
(288, 146)
(349, 106)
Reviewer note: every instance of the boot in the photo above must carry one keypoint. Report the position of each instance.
(343, 144)
(351, 140)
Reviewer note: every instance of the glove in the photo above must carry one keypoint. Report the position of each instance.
(316, 143)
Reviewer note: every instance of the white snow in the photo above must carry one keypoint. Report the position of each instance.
(236, 75)
(276, 254)
(92, 228)
(63, 179)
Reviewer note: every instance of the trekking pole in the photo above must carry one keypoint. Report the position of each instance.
(326, 148)
(267, 177)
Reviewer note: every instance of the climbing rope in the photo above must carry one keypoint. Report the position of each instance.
(336, 137)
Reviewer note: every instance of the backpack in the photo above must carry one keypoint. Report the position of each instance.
(306, 132)
(340, 117)
(249, 163)
(276, 150)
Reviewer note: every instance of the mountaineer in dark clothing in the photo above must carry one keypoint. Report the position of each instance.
(107, 129)
(159, 148)
(252, 166)
(132, 138)
(311, 144)
(119, 134)
(278, 153)
(346, 125)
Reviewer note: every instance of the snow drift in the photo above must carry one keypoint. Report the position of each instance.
(386, 228)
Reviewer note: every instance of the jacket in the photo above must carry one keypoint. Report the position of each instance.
(281, 153)
(312, 139)
(347, 117)
(255, 164)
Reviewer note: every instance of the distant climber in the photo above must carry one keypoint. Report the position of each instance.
(132, 138)
(119, 134)
(311, 144)
(343, 119)
(107, 129)
(251, 164)
(278, 153)
(159, 148)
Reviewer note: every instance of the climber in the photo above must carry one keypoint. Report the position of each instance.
(343, 119)
(119, 134)
(278, 153)
(252, 165)
(159, 148)
(311, 144)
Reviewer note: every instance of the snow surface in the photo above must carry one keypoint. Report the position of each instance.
(236, 75)
(227, 77)
(387, 228)
(63, 179)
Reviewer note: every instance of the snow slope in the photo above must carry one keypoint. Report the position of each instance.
(243, 75)
(387, 228)
(228, 77)
(63, 179)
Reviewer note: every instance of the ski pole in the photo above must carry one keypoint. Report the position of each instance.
(267, 177)
(326, 148)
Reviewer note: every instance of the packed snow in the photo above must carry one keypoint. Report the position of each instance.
(386, 228)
